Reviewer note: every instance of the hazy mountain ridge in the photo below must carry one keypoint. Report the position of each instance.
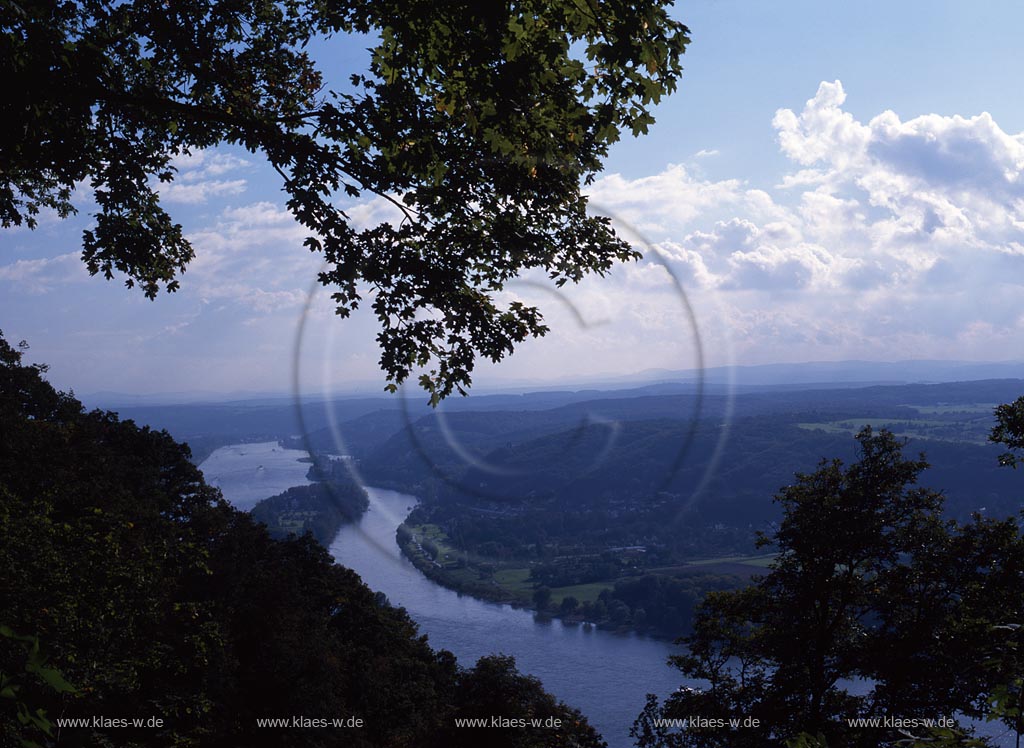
(808, 374)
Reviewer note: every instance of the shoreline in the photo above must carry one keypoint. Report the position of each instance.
(491, 593)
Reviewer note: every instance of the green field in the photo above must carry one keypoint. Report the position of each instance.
(829, 428)
(517, 582)
(965, 408)
(856, 424)
(972, 428)
(294, 520)
(446, 551)
(514, 580)
(582, 592)
(762, 560)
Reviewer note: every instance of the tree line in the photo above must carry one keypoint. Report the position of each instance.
(333, 499)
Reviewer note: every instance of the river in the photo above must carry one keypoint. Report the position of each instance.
(248, 473)
(604, 675)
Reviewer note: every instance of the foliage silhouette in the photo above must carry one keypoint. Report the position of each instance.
(478, 123)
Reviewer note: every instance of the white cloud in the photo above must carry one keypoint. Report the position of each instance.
(41, 275)
(193, 193)
(253, 256)
(887, 238)
(769, 267)
(258, 214)
(664, 202)
(377, 210)
(198, 177)
(950, 178)
(254, 298)
(823, 130)
(246, 230)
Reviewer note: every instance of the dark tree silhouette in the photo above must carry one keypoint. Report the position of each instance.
(870, 582)
(479, 121)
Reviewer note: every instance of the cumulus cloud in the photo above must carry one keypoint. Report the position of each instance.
(769, 267)
(663, 202)
(246, 230)
(822, 130)
(253, 256)
(887, 237)
(373, 212)
(200, 192)
(254, 298)
(946, 178)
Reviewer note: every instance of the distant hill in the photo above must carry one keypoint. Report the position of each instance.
(545, 443)
(680, 469)
(643, 471)
(836, 372)
(502, 394)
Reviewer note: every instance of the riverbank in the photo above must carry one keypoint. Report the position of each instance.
(286, 489)
(604, 674)
(580, 605)
(460, 578)
(321, 508)
(247, 473)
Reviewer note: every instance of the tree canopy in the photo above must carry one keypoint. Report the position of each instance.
(479, 121)
(875, 606)
(1009, 431)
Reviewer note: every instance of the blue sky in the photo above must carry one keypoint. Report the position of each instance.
(831, 181)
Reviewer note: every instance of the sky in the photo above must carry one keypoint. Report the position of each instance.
(831, 181)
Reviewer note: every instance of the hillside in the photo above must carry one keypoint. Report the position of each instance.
(130, 589)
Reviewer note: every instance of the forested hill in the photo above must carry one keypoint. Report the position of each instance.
(737, 451)
(625, 510)
(129, 589)
(368, 420)
(622, 444)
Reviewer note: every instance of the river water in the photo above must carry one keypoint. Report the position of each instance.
(605, 675)
(248, 473)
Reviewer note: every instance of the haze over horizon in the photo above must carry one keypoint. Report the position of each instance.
(795, 375)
